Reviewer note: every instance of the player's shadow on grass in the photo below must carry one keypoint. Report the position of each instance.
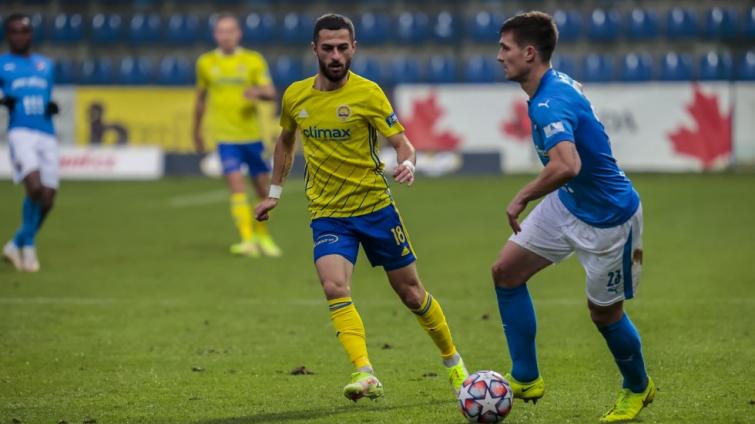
(274, 417)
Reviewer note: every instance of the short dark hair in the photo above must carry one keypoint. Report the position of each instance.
(333, 22)
(535, 28)
(14, 18)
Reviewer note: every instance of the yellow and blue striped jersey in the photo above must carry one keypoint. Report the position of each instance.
(344, 175)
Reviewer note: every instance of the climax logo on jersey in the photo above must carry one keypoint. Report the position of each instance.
(343, 112)
(326, 238)
(325, 134)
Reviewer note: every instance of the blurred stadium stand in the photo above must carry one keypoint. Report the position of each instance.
(156, 42)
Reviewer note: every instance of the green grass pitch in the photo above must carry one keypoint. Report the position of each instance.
(140, 316)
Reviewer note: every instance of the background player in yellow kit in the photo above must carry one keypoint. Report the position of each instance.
(230, 82)
(339, 115)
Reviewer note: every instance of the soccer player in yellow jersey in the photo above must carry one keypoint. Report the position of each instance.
(339, 115)
(230, 82)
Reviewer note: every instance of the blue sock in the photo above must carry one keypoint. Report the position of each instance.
(625, 345)
(32, 214)
(520, 326)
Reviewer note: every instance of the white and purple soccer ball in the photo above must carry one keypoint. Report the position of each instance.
(485, 397)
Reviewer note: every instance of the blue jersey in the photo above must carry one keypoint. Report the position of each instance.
(600, 195)
(29, 80)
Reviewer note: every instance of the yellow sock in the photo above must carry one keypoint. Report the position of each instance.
(242, 215)
(349, 330)
(431, 318)
(260, 228)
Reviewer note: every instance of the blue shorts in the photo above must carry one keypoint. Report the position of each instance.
(233, 155)
(381, 234)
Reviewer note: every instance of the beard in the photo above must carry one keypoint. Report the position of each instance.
(335, 74)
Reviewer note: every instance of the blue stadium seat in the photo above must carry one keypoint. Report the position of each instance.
(604, 25)
(597, 68)
(135, 70)
(749, 23)
(175, 71)
(406, 70)
(38, 24)
(286, 70)
(676, 67)
(96, 72)
(720, 23)
(368, 67)
(259, 28)
(637, 67)
(65, 71)
(67, 28)
(441, 69)
(297, 28)
(564, 63)
(681, 23)
(145, 28)
(445, 27)
(746, 70)
(182, 29)
(715, 66)
(480, 69)
(569, 23)
(373, 28)
(484, 26)
(412, 27)
(107, 28)
(641, 24)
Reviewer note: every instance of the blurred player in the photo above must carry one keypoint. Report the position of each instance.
(230, 82)
(26, 81)
(340, 115)
(589, 207)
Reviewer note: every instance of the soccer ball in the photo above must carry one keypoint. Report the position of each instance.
(485, 397)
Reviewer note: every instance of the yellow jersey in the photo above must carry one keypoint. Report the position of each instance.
(231, 117)
(344, 175)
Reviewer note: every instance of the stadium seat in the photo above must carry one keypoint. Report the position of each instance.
(286, 70)
(145, 28)
(676, 67)
(715, 66)
(175, 71)
(134, 71)
(368, 67)
(106, 28)
(721, 23)
(38, 24)
(374, 28)
(604, 25)
(67, 28)
(441, 69)
(259, 28)
(96, 72)
(597, 68)
(637, 67)
(484, 26)
(749, 23)
(641, 24)
(182, 29)
(569, 23)
(480, 69)
(405, 70)
(746, 70)
(681, 23)
(444, 27)
(564, 63)
(412, 27)
(297, 28)
(65, 71)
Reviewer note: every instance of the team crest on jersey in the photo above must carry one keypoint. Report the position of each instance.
(40, 66)
(343, 112)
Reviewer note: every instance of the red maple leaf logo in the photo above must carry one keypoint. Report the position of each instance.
(421, 126)
(518, 125)
(710, 140)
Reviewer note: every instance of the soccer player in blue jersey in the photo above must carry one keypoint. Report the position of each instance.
(589, 207)
(26, 81)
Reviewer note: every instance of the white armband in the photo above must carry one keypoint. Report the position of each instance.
(275, 191)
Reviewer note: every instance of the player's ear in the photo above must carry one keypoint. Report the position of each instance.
(314, 48)
(530, 53)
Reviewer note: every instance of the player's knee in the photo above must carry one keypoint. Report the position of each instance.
(334, 289)
(412, 296)
(505, 276)
(35, 192)
(605, 315)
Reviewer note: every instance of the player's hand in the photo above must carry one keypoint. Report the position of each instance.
(262, 211)
(404, 173)
(199, 142)
(52, 108)
(513, 211)
(251, 93)
(9, 102)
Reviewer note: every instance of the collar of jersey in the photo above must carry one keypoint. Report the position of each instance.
(547, 76)
(337, 90)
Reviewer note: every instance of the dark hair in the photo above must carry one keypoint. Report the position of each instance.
(334, 22)
(533, 28)
(225, 15)
(13, 18)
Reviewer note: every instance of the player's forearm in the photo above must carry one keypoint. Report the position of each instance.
(266, 93)
(404, 149)
(283, 159)
(199, 108)
(553, 176)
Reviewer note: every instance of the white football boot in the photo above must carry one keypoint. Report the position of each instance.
(29, 261)
(12, 254)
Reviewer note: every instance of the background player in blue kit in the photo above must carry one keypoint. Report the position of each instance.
(589, 207)
(26, 81)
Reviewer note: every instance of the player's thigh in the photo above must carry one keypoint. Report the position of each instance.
(49, 160)
(335, 273)
(231, 157)
(23, 152)
(516, 264)
(254, 158)
(385, 239)
(333, 236)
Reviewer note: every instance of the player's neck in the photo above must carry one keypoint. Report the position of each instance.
(228, 52)
(23, 53)
(324, 84)
(532, 82)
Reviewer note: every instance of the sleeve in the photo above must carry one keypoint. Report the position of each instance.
(202, 80)
(287, 120)
(261, 71)
(555, 120)
(380, 114)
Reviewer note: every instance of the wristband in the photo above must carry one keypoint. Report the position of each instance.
(407, 163)
(275, 191)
